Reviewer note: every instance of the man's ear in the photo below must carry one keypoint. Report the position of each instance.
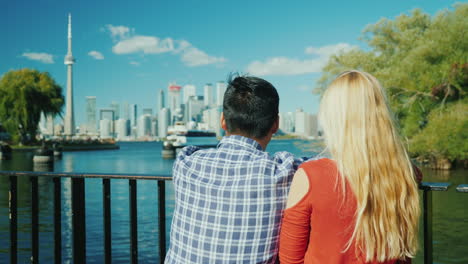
(275, 126)
(223, 122)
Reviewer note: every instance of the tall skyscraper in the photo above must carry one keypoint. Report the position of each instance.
(194, 108)
(174, 100)
(161, 100)
(69, 61)
(133, 115)
(189, 90)
(105, 128)
(208, 94)
(211, 117)
(286, 122)
(91, 114)
(220, 89)
(122, 128)
(50, 125)
(125, 114)
(306, 124)
(144, 126)
(116, 106)
(164, 117)
(313, 126)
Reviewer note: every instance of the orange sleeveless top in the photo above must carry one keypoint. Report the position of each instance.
(317, 228)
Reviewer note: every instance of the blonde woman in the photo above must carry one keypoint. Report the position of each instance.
(362, 205)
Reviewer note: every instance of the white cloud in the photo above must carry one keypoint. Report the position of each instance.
(127, 43)
(145, 44)
(119, 32)
(285, 66)
(96, 55)
(193, 57)
(293, 66)
(329, 49)
(39, 56)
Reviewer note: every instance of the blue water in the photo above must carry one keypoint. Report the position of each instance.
(450, 212)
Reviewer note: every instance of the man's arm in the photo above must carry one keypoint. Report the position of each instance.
(185, 152)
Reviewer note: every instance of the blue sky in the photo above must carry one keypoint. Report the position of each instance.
(127, 50)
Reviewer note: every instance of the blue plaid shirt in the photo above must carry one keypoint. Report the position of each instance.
(229, 202)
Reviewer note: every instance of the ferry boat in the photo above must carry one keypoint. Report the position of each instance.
(179, 136)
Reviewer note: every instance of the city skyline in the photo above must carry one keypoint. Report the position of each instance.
(128, 53)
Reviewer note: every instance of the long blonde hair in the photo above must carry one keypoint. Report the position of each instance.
(361, 137)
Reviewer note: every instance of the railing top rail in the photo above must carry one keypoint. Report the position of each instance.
(462, 188)
(432, 186)
(435, 186)
(88, 175)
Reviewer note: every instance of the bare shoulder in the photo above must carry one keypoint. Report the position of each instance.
(299, 188)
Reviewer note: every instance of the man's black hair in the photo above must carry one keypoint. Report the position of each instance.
(250, 106)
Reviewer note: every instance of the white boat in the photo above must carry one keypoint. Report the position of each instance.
(179, 136)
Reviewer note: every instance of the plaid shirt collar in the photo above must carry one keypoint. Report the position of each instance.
(239, 141)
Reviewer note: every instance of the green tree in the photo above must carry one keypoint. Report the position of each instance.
(24, 95)
(446, 135)
(422, 61)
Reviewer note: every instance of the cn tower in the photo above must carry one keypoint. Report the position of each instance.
(69, 61)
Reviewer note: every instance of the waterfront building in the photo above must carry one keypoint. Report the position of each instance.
(194, 109)
(46, 125)
(41, 125)
(282, 121)
(116, 107)
(133, 115)
(144, 126)
(306, 124)
(161, 101)
(164, 116)
(287, 122)
(91, 115)
(313, 126)
(69, 121)
(212, 117)
(58, 130)
(220, 90)
(208, 94)
(154, 126)
(189, 91)
(49, 125)
(174, 100)
(122, 128)
(107, 114)
(125, 114)
(291, 119)
(105, 128)
(301, 123)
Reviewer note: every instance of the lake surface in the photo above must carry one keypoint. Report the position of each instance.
(450, 222)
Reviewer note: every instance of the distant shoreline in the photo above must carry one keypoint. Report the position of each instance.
(73, 147)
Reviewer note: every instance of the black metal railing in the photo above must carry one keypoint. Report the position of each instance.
(78, 213)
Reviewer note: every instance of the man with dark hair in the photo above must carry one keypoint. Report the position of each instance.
(229, 201)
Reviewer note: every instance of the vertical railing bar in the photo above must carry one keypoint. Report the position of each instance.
(162, 219)
(13, 208)
(34, 220)
(427, 218)
(107, 221)
(57, 221)
(78, 220)
(133, 222)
